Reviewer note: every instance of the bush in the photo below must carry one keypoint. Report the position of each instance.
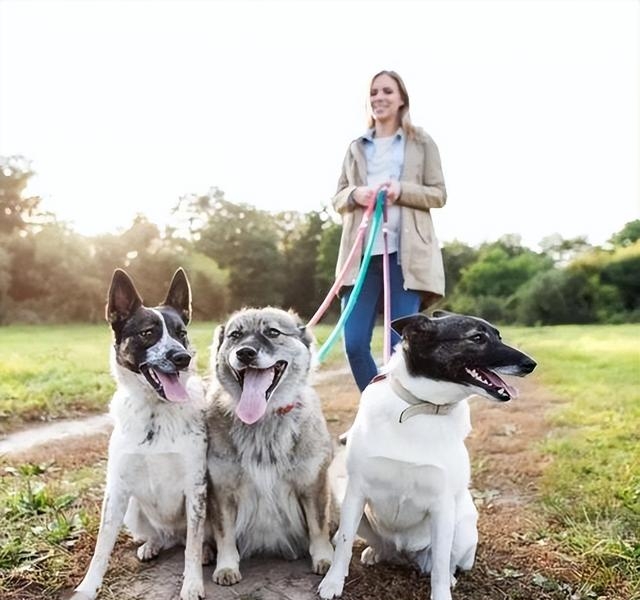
(556, 297)
(491, 308)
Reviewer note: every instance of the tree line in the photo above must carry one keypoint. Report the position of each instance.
(237, 255)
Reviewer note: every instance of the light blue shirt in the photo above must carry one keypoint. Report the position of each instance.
(395, 162)
(385, 160)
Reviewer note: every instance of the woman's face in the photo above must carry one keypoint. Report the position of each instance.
(386, 100)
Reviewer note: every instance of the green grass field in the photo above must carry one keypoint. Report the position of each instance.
(591, 488)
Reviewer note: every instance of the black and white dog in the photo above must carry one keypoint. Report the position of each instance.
(156, 470)
(408, 468)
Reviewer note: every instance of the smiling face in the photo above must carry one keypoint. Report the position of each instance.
(152, 342)
(259, 352)
(386, 99)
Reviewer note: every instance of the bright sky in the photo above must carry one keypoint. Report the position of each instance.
(124, 106)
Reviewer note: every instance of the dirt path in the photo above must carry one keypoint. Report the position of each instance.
(512, 563)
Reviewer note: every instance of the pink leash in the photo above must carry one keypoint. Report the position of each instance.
(386, 293)
(340, 278)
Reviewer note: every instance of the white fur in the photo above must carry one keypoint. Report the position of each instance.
(411, 481)
(155, 485)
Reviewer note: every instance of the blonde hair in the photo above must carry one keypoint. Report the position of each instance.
(405, 118)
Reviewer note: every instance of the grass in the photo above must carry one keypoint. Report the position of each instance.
(41, 522)
(591, 490)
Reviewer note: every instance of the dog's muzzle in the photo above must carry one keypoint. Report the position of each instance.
(256, 385)
(164, 375)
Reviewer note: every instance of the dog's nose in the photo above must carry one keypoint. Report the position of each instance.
(246, 354)
(180, 359)
(528, 365)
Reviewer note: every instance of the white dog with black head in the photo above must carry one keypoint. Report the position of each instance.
(408, 468)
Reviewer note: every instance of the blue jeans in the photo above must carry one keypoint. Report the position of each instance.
(358, 329)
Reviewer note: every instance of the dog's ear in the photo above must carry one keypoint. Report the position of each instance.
(398, 325)
(306, 336)
(123, 299)
(218, 337)
(179, 295)
(442, 313)
(304, 333)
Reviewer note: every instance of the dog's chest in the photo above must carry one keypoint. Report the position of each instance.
(152, 448)
(267, 450)
(269, 515)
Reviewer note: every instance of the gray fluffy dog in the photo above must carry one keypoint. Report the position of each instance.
(269, 447)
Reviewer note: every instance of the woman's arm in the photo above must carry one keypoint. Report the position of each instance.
(341, 201)
(431, 193)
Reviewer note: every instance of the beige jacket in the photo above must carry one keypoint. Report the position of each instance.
(423, 188)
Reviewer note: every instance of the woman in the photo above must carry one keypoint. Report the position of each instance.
(403, 160)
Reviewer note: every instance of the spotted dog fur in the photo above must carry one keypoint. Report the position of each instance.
(156, 470)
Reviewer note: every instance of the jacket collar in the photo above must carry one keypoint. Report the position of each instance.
(357, 148)
(369, 134)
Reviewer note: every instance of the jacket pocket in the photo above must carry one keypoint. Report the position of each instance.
(422, 222)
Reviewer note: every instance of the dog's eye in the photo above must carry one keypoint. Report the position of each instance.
(272, 332)
(478, 338)
(235, 334)
(145, 334)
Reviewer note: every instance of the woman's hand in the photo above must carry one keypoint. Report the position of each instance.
(393, 188)
(363, 195)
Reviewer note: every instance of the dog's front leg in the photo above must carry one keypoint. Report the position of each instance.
(351, 513)
(192, 585)
(224, 513)
(316, 505)
(443, 521)
(113, 510)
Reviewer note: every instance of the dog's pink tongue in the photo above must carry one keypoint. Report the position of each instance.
(173, 388)
(499, 382)
(253, 401)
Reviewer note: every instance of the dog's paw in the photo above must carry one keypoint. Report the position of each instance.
(148, 551)
(208, 554)
(369, 556)
(321, 552)
(320, 567)
(192, 590)
(441, 593)
(226, 576)
(330, 588)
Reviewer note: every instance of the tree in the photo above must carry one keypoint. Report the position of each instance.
(245, 242)
(487, 285)
(563, 250)
(555, 297)
(499, 272)
(52, 279)
(16, 211)
(300, 246)
(628, 235)
(457, 256)
(623, 272)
